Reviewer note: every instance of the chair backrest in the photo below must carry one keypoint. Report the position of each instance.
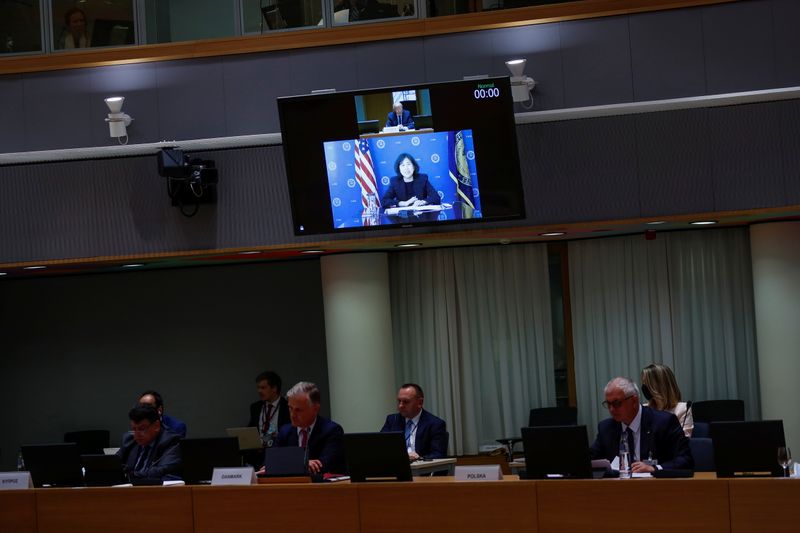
(553, 416)
(701, 430)
(703, 454)
(91, 441)
(718, 411)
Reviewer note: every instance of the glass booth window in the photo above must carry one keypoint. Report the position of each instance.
(345, 11)
(91, 23)
(20, 26)
(265, 15)
(171, 21)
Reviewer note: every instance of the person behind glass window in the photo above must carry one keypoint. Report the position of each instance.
(409, 188)
(75, 28)
(661, 391)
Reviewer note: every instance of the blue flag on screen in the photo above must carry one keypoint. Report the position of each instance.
(459, 172)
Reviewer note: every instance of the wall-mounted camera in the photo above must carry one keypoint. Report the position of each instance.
(190, 181)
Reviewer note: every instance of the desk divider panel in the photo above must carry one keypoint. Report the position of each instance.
(18, 511)
(764, 505)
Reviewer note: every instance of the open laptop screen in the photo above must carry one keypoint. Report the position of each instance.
(557, 452)
(201, 456)
(377, 457)
(56, 465)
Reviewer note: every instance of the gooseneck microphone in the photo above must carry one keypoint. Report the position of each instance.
(686, 414)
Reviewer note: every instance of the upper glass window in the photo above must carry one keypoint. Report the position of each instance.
(268, 15)
(20, 26)
(90, 23)
(170, 21)
(345, 11)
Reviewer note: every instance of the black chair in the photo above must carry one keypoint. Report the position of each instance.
(718, 411)
(702, 430)
(553, 416)
(90, 441)
(703, 454)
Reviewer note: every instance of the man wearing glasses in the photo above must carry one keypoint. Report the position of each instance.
(150, 451)
(651, 434)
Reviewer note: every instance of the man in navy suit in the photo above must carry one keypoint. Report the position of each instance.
(400, 117)
(321, 437)
(150, 451)
(426, 434)
(155, 400)
(653, 434)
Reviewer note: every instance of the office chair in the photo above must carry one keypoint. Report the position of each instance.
(718, 411)
(90, 441)
(553, 416)
(703, 454)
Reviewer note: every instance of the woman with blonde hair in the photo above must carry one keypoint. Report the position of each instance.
(661, 392)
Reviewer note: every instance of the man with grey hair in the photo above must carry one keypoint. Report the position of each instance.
(400, 117)
(320, 436)
(651, 434)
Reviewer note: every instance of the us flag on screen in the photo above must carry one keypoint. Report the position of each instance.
(365, 173)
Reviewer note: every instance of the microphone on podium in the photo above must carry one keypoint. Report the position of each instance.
(686, 414)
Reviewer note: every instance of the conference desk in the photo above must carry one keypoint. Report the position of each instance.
(438, 504)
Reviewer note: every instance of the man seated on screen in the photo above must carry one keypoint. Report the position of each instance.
(400, 117)
(426, 434)
(320, 436)
(650, 433)
(149, 451)
(155, 400)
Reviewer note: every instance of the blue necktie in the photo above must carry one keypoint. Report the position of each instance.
(141, 461)
(409, 429)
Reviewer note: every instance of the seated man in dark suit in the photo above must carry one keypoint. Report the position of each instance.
(650, 433)
(400, 117)
(320, 436)
(426, 434)
(150, 451)
(154, 399)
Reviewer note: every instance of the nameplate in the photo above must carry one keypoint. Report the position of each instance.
(234, 476)
(15, 480)
(479, 473)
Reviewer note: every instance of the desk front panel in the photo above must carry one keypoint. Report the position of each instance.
(282, 507)
(104, 510)
(449, 506)
(618, 504)
(764, 505)
(17, 511)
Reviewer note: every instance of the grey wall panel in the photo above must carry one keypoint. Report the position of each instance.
(252, 84)
(674, 162)
(12, 111)
(93, 343)
(451, 57)
(323, 68)
(541, 46)
(667, 54)
(597, 61)
(191, 99)
(40, 206)
(137, 84)
(58, 110)
(790, 147)
(544, 173)
(746, 156)
(385, 63)
(584, 170)
(739, 48)
(786, 18)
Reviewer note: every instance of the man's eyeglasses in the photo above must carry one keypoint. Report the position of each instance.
(616, 403)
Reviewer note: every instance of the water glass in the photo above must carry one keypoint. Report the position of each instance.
(785, 459)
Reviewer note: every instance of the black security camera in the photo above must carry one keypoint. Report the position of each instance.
(190, 181)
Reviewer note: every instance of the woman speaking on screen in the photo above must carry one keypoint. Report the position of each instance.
(409, 188)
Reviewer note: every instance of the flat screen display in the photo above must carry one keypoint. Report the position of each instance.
(402, 156)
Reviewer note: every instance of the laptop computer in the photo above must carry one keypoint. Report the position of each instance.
(249, 439)
(747, 449)
(557, 452)
(102, 470)
(201, 456)
(53, 465)
(377, 456)
(285, 461)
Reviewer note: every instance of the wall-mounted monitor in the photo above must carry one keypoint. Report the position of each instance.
(439, 153)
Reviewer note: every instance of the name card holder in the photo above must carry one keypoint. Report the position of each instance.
(15, 480)
(234, 476)
(479, 473)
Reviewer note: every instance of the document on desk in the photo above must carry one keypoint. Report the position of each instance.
(418, 209)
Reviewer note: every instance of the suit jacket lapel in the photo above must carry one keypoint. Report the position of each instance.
(646, 434)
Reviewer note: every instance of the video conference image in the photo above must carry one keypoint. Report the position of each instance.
(402, 156)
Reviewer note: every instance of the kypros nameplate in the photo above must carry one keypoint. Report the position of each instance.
(15, 480)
